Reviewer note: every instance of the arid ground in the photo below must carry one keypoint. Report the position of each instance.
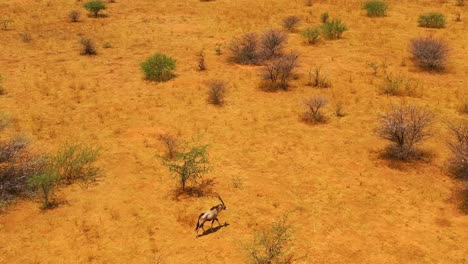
(345, 203)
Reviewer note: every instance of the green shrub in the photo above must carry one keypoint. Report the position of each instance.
(376, 8)
(432, 20)
(324, 17)
(188, 165)
(159, 67)
(44, 183)
(311, 35)
(75, 163)
(333, 29)
(95, 6)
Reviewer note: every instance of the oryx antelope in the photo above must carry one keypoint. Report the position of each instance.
(210, 215)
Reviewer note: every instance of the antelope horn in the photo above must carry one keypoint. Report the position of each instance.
(220, 198)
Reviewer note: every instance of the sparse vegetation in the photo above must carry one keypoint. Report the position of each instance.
(277, 73)
(317, 79)
(44, 183)
(88, 47)
(314, 106)
(216, 92)
(397, 85)
(201, 61)
(311, 35)
(95, 6)
(271, 44)
(75, 163)
(324, 17)
(159, 67)
(432, 20)
(244, 50)
(405, 126)
(74, 16)
(188, 166)
(290, 23)
(26, 37)
(271, 244)
(376, 8)
(429, 53)
(460, 2)
(4, 24)
(334, 29)
(459, 148)
(172, 145)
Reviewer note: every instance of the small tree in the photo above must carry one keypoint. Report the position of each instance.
(188, 165)
(95, 6)
(405, 126)
(314, 105)
(44, 183)
(280, 71)
(159, 67)
(271, 245)
(244, 50)
(376, 8)
(290, 23)
(459, 149)
(334, 29)
(75, 163)
(272, 44)
(430, 54)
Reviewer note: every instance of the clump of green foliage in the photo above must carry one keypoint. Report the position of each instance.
(432, 20)
(95, 6)
(159, 67)
(75, 163)
(334, 29)
(324, 17)
(311, 35)
(44, 183)
(376, 8)
(188, 165)
(271, 244)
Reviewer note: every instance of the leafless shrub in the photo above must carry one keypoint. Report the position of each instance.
(216, 92)
(317, 79)
(405, 126)
(308, 2)
(74, 16)
(201, 61)
(290, 23)
(278, 72)
(171, 144)
(339, 109)
(88, 47)
(26, 37)
(244, 50)
(460, 2)
(272, 44)
(464, 107)
(429, 53)
(459, 148)
(314, 105)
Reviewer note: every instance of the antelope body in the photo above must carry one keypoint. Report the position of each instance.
(210, 215)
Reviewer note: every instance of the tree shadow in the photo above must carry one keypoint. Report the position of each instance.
(214, 230)
(205, 188)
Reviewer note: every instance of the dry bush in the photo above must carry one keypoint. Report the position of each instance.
(278, 72)
(17, 165)
(88, 47)
(308, 2)
(25, 37)
(460, 3)
(340, 109)
(2, 89)
(271, 44)
(430, 54)
(244, 50)
(463, 109)
(290, 23)
(74, 16)
(405, 126)
(399, 86)
(271, 245)
(459, 148)
(171, 143)
(315, 105)
(216, 92)
(201, 61)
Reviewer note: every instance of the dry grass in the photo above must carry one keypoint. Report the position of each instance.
(347, 206)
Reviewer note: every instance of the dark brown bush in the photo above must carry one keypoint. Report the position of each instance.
(459, 148)
(88, 47)
(171, 144)
(74, 16)
(278, 72)
(244, 50)
(290, 23)
(216, 92)
(272, 44)
(405, 126)
(315, 105)
(429, 53)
